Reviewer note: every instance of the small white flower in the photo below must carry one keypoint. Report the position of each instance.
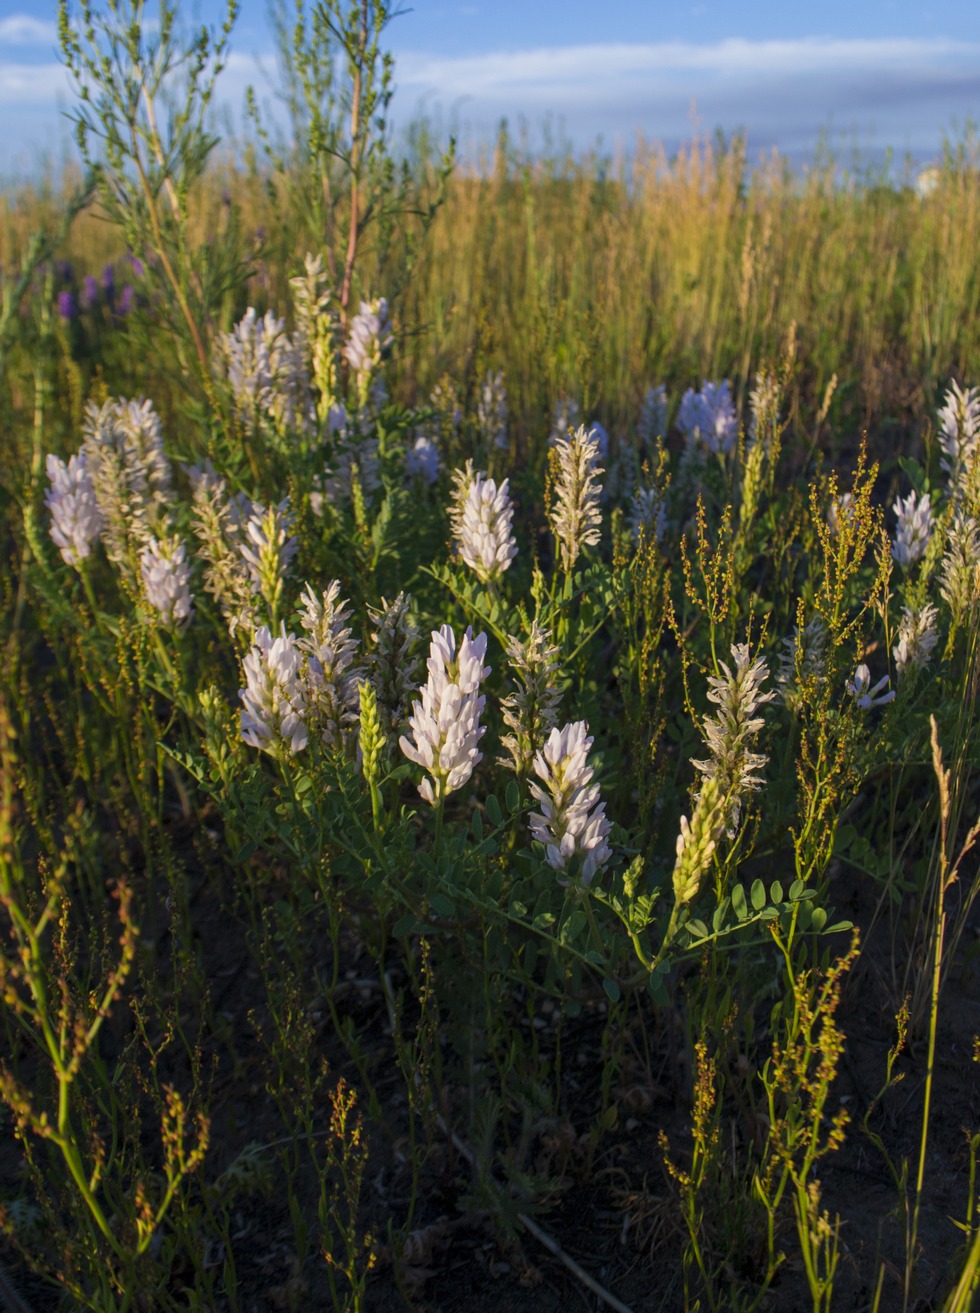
(764, 400)
(272, 717)
(648, 515)
(76, 520)
(914, 528)
(370, 337)
(422, 460)
(802, 662)
(565, 419)
(572, 821)
(331, 678)
(575, 517)
(707, 418)
(653, 415)
(730, 731)
(960, 580)
(917, 637)
(959, 432)
(483, 524)
(445, 723)
(841, 511)
(267, 547)
(166, 575)
(864, 694)
(267, 372)
(491, 410)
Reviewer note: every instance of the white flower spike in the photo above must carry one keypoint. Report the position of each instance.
(445, 723)
(572, 821)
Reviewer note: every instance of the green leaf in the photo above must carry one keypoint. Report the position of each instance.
(493, 810)
(544, 921)
(739, 905)
(512, 796)
(837, 926)
(612, 990)
(405, 925)
(477, 826)
(518, 909)
(758, 895)
(697, 929)
(776, 891)
(720, 914)
(796, 890)
(442, 905)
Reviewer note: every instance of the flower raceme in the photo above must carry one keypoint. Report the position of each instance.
(445, 722)
(76, 521)
(572, 822)
(274, 705)
(575, 516)
(482, 519)
(914, 528)
(166, 574)
(728, 734)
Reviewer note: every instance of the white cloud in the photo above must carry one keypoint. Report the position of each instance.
(23, 30)
(903, 91)
(32, 86)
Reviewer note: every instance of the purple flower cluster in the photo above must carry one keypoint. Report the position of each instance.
(94, 294)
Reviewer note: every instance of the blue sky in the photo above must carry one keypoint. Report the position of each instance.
(875, 74)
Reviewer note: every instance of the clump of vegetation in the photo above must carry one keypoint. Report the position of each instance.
(442, 707)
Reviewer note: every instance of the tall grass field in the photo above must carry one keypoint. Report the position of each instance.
(488, 754)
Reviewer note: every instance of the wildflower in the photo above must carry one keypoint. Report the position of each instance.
(729, 732)
(575, 516)
(317, 330)
(76, 521)
(697, 841)
(653, 415)
(532, 710)
(218, 525)
(67, 308)
(802, 662)
(370, 338)
(707, 418)
(267, 373)
(90, 292)
(864, 694)
(331, 677)
(272, 717)
(422, 460)
(123, 443)
(565, 419)
(764, 401)
(917, 637)
(841, 511)
(647, 516)
(392, 661)
(267, 549)
(959, 432)
(491, 410)
(166, 573)
(960, 578)
(572, 822)
(482, 518)
(355, 463)
(445, 723)
(914, 528)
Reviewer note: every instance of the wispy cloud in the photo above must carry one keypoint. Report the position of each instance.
(783, 92)
(23, 30)
(32, 86)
